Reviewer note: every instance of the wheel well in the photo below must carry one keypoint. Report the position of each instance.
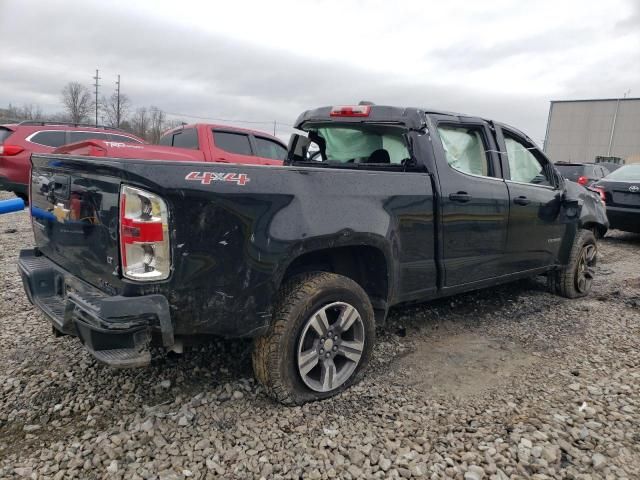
(365, 265)
(598, 229)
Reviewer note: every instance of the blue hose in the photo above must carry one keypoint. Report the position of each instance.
(11, 205)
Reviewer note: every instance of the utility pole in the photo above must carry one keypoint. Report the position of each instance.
(118, 102)
(613, 123)
(274, 128)
(97, 84)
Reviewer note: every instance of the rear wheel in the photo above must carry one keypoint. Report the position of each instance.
(320, 339)
(575, 279)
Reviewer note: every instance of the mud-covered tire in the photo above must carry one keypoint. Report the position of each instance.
(574, 280)
(276, 355)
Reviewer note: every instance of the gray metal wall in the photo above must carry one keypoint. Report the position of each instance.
(579, 131)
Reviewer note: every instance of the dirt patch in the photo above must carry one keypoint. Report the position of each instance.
(461, 365)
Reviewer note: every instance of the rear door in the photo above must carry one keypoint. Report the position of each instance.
(535, 231)
(474, 201)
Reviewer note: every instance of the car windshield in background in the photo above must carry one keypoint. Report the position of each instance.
(571, 172)
(370, 145)
(628, 173)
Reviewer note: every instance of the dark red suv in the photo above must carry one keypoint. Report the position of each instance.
(18, 141)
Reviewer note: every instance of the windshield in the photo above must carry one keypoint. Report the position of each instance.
(628, 173)
(371, 144)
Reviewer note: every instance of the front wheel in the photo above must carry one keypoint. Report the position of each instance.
(576, 277)
(320, 339)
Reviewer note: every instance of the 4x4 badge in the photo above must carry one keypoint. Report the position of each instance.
(207, 177)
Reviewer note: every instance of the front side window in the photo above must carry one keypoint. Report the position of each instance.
(50, 138)
(232, 142)
(269, 149)
(523, 164)
(465, 150)
(369, 144)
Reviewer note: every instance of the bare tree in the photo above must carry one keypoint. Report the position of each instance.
(77, 101)
(26, 112)
(157, 119)
(116, 110)
(140, 122)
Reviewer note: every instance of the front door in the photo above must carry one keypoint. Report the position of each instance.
(474, 202)
(535, 232)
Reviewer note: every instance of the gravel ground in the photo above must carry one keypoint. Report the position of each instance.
(510, 382)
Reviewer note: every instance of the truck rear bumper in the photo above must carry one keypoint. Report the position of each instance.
(116, 330)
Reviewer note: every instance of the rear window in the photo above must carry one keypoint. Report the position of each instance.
(232, 142)
(4, 134)
(571, 172)
(370, 144)
(269, 149)
(628, 173)
(50, 138)
(80, 136)
(122, 138)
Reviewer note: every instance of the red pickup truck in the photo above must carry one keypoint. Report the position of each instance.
(199, 142)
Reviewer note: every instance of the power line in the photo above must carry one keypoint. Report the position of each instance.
(270, 122)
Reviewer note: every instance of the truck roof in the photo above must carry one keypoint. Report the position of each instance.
(411, 117)
(224, 127)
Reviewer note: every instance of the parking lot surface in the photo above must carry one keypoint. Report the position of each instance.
(511, 382)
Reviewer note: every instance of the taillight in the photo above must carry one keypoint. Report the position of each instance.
(144, 235)
(582, 180)
(351, 111)
(10, 150)
(602, 193)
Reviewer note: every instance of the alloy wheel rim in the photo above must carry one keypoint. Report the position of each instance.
(330, 346)
(586, 268)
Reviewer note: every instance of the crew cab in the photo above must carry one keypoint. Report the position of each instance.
(197, 143)
(375, 206)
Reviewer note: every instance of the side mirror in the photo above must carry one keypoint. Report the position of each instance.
(298, 147)
(559, 180)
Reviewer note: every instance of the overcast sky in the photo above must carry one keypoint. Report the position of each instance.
(268, 61)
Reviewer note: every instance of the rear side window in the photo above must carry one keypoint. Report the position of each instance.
(269, 149)
(232, 142)
(80, 136)
(187, 138)
(464, 149)
(4, 134)
(122, 138)
(166, 140)
(51, 138)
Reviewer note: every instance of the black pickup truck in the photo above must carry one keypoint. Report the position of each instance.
(375, 206)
